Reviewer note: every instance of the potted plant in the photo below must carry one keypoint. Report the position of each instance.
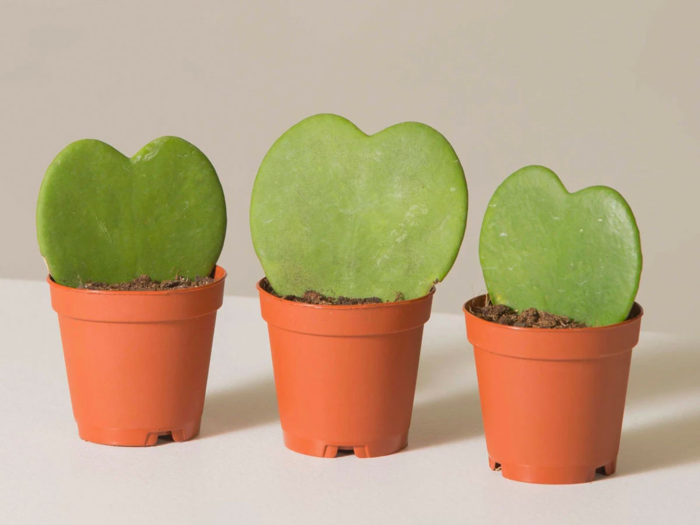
(353, 232)
(131, 245)
(554, 336)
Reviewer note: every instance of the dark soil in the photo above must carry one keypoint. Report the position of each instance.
(145, 283)
(530, 318)
(311, 297)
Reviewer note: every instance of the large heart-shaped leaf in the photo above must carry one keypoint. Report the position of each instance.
(342, 213)
(105, 217)
(573, 254)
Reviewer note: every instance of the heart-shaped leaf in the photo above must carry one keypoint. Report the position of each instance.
(346, 214)
(573, 254)
(104, 217)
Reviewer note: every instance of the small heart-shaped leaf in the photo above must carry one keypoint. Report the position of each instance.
(346, 214)
(104, 217)
(573, 254)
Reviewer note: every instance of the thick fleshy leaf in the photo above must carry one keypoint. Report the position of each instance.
(573, 254)
(343, 213)
(104, 217)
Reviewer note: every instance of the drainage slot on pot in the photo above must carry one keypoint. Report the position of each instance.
(156, 438)
(166, 437)
(606, 470)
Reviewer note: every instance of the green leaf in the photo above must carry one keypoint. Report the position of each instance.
(342, 213)
(573, 254)
(103, 217)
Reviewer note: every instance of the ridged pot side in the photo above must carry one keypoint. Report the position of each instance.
(552, 401)
(137, 362)
(345, 375)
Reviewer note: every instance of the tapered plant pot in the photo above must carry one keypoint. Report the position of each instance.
(137, 362)
(552, 401)
(345, 375)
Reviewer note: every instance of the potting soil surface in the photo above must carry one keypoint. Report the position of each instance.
(530, 318)
(312, 297)
(145, 283)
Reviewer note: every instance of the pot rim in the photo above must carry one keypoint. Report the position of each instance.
(341, 306)
(219, 275)
(636, 309)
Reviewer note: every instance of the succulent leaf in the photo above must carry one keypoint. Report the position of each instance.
(104, 217)
(346, 214)
(572, 254)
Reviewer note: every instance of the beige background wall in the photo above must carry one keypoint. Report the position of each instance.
(603, 92)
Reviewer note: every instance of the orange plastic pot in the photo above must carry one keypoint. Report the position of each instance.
(345, 375)
(137, 362)
(552, 401)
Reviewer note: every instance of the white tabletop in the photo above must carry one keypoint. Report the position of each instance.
(238, 471)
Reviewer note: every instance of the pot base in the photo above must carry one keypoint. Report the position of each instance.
(129, 437)
(551, 475)
(322, 449)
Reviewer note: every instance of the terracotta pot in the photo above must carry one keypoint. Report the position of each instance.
(552, 400)
(137, 362)
(345, 375)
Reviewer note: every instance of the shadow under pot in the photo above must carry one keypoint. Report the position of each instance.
(552, 401)
(345, 375)
(137, 362)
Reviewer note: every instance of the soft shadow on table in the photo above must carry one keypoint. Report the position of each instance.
(667, 444)
(672, 373)
(445, 420)
(243, 406)
(448, 419)
(441, 365)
